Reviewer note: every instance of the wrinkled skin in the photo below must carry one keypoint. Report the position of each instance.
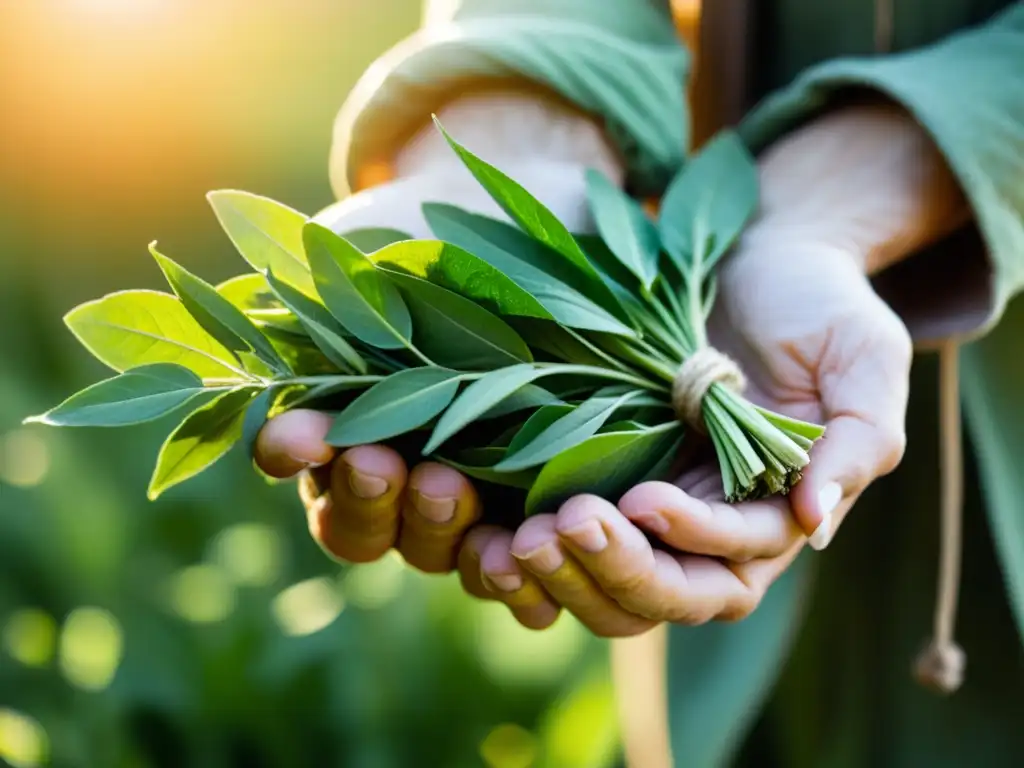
(797, 312)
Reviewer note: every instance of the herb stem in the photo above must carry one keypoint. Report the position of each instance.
(604, 373)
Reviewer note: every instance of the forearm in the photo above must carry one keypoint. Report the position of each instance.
(865, 178)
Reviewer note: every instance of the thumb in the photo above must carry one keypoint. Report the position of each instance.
(864, 383)
(292, 442)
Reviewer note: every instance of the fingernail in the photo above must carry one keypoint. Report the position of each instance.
(366, 486)
(652, 521)
(434, 509)
(306, 463)
(828, 499)
(545, 559)
(588, 536)
(503, 582)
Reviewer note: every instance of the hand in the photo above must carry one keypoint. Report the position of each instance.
(797, 311)
(816, 343)
(365, 501)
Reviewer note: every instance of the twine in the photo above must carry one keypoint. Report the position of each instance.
(694, 378)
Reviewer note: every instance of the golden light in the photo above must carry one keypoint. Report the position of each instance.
(202, 594)
(509, 746)
(308, 606)
(23, 741)
(30, 637)
(91, 647)
(249, 553)
(24, 458)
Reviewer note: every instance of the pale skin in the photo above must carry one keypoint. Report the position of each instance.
(856, 190)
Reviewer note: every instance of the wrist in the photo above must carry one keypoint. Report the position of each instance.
(510, 129)
(866, 180)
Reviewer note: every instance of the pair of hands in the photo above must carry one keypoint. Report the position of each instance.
(798, 313)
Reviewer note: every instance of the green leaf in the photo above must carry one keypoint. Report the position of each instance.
(479, 464)
(481, 396)
(460, 271)
(402, 402)
(453, 331)
(218, 316)
(523, 399)
(204, 436)
(370, 239)
(516, 256)
(321, 326)
(707, 205)
(539, 421)
(606, 465)
(251, 294)
(563, 433)
(266, 233)
(627, 231)
(248, 292)
(133, 328)
(355, 292)
(136, 396)
(256, 414)
(534, 219)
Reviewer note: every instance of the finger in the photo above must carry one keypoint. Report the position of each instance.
(517, 588)
(358, 520)
(292, 442)
(687, 589)
(468, 562)
(737, 532)
(536, 545)
(864, 390)
(438, 507)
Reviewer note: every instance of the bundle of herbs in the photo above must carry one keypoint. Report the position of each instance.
(524, 355)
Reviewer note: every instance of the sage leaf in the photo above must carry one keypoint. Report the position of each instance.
(562, 433)
(532, 217)
(268, 234)
(218, 316)
(606, 465)
(539, 421)
(321, 326)
(133, 328)
(627, 231)
(402, 402)
(202, 438)
(462, 272)
(707, 205)
(454, 331)
(482, 395)
(370, 239)
(256, 414)
(479, 465)
(523, 399)
(138, 395)
(353, 290)
(251, 294)
(506, 250)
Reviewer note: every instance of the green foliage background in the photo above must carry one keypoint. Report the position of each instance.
(206, 629)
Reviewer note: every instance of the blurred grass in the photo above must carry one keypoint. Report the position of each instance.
(206, 629)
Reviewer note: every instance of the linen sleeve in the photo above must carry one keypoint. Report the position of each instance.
(967, 91)
(618, 60)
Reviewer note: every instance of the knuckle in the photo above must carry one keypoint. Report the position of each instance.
(892, 448)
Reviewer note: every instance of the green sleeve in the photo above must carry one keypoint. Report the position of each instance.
(618, 59)
(968, 93)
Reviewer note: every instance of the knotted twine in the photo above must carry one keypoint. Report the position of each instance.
(694, 378)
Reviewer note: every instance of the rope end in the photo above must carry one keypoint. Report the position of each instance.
(940, 667)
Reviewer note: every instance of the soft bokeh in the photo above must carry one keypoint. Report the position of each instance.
(206, 629)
